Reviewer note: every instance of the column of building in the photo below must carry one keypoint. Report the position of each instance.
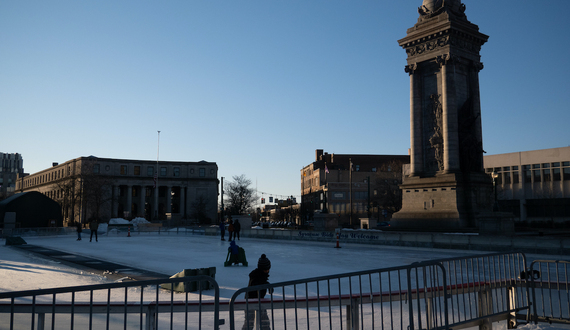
(450, 120)
(416, 154)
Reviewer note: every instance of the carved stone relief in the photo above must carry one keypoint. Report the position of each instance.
(434, 134)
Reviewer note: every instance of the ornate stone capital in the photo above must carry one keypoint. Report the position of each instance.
(411, 69)
(443, 60)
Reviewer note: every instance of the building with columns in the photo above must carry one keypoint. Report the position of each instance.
(104, 188)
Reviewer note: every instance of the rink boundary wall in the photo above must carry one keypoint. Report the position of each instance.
(526, 244)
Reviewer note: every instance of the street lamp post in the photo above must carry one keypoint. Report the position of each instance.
(495, 175)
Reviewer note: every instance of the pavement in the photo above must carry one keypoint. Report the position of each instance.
(96, 266)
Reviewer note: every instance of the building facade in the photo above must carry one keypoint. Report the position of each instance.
(104, 188)
(533, 185)
(328, 185)
(11, 165)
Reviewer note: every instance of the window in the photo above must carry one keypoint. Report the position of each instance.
(556, 174)
(176, 171)
(123, 169)
(565, 163)
(566, 173)
(374, 169)
(137, 170)
(338, 195)
(527, 176)
(357, 168)
(506, 168)
(150, 171)
(536, 175)
(163, 171)
(202, 172)
(556, 164)
(546, 175)
(507, 177)
(545, 165)
(360, 195)
(516, 177)
(535, 165)
(96, 168)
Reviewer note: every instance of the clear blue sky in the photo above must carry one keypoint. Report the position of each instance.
(257, 86)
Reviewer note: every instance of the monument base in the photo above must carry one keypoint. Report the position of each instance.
(446, 201)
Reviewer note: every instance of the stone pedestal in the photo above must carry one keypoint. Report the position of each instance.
(325, 221)
(444, 202)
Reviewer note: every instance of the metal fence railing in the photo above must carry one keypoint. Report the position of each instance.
(131, 305)
(550, 288)
(459, 293)
(439, 294)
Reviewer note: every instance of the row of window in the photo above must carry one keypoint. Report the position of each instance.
(150, 170)
(545, 172)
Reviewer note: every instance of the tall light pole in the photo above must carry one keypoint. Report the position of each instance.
(156, 179)
(350, 187)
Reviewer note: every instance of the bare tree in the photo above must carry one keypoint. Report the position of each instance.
(96, 190)
(200, 210)
(239, 196)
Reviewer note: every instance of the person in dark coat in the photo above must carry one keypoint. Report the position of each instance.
(237, 228)
(223, 229)
(79, 230)
(93, 225)
(258, 276)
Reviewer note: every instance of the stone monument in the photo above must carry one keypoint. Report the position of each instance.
(446, 187)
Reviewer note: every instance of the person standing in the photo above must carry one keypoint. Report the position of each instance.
(237, 228)
(93, 225)
(231, 229)
(258, 276)
(79, 230)
(223, 229)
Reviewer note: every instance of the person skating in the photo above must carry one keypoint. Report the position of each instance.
(258, 276)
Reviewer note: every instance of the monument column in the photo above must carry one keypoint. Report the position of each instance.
(416, 154)
(450, 125)
(447, 186)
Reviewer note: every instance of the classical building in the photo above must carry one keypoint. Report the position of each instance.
(11, 165)
(104, 188)
(447, 186)
(328, 185)
(533, 185)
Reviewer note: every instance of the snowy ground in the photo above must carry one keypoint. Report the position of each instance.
(169, 254)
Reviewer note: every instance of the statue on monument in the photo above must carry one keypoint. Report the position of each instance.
(432, 8)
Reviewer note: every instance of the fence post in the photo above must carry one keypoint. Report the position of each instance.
(41, 321)
(150, 317)
(485, 303)
(352, 317)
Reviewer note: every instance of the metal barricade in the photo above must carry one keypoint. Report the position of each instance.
(550, 281)
(375, 299)
(486, 288)
(130, 305)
